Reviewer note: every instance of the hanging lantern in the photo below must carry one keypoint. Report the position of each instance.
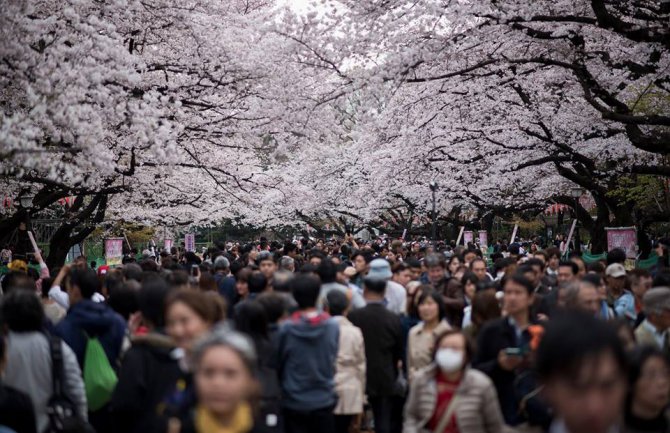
(7, 202)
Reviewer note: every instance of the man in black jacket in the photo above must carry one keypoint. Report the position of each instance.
(503, 345)
(149, 371)
(382, 333)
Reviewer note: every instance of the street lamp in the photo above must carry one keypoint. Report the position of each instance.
(26, 201)
(576, 193)
(433, 189)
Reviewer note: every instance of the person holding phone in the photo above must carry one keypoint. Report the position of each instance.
(504, 345)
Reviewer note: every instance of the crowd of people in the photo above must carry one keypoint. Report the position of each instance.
(336, 336)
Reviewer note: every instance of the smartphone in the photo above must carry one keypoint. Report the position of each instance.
(513, 351)
(194, 270)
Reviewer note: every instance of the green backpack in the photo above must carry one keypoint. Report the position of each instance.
(99, 376)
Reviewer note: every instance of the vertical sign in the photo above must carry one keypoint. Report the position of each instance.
(572, 231)
(624, 238)
(483, 239)
(468, 237)
(113, 251)
(404, 232)
(168, 244)
(516, 228)
(189, 242)
(460, 235)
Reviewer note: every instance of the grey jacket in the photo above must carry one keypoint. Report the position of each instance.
(29, 369)
(477, 411)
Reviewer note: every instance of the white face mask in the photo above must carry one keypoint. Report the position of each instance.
(449, 360)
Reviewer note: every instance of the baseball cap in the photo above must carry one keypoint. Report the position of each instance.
(615, 270)
(102, 270)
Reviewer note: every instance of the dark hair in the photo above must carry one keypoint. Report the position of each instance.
(594, 279)
(257, 282)
(327, 271)
(662, 279)
(636, 274)
(469, 347)
(149, 265)
(478, 259)
(375, 286)
(86, 280)
(596, 267)
(571, 339)
(112, 281)
(289, 246)
(413, 263)
(123, 299)
(22, 311)
(367, 256)
(485, 307)
(454, 257)
(469, 276)
(306, 289)
(151, 300)
(514, 249)
(337, 302)
(400, 267)
(251, 319)
(487, 285)
(274, 304)
(437, 297)
(543, 254)
(15, 280)
(307, 268)
(535, 262)
(572, 265)
(617, 255)
(553, 252)
(637, 359)
(132, 271)
(524, 268)
(518, 279)
(46, 286)
(207, 283)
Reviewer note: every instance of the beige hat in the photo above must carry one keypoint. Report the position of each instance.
(615, 270)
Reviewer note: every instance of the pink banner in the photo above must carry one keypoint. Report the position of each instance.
(483, 238)
(189, 242)
(114, 251)
(468, 237)
(624, 238)
(168, 244)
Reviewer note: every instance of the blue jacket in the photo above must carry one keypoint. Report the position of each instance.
(307, 350)
(96, 320)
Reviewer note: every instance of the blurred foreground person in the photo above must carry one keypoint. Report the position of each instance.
(224, 365)
(582, 365)
(649, 393)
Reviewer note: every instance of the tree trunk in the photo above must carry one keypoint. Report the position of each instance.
(65, 237)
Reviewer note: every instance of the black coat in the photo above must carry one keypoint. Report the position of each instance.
(382, 335)
(16, 410)
(148, 373)
(495, 336)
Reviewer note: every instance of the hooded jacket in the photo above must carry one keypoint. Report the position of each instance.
(95, 320)
(149, 371)
(307, 354)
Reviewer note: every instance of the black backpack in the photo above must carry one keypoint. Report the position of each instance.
(62, 412)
